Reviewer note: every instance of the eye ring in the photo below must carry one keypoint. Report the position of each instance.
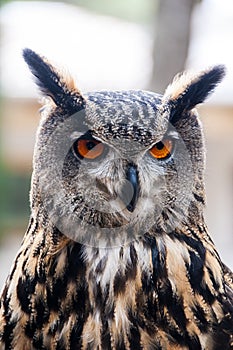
(88, 148)
(162, 150)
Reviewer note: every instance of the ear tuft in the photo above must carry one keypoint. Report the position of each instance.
(59, 87)
(188, 90)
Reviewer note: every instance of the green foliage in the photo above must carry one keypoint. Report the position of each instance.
(132, 10)
(14, 201)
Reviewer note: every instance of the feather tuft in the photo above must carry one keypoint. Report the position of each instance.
(188, 89)
(60, 87)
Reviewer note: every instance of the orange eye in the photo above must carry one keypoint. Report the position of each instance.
(89, 148)
(162, 149)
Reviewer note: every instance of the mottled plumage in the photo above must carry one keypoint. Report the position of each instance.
(117, 254)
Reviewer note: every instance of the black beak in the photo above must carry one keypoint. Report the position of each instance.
(130, 190)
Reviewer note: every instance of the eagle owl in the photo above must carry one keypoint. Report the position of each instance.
(117, 254)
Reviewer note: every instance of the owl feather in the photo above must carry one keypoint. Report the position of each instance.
(117, 254)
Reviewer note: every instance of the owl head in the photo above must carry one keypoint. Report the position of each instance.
(110, 166)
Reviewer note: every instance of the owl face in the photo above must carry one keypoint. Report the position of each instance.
(111, 166)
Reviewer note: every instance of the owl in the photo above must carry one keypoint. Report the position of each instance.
(117, 254)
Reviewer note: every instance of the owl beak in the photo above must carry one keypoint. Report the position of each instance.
(132, 188)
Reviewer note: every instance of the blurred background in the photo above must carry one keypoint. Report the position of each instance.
(113, 44)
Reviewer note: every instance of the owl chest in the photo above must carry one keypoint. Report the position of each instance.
(108, 302)
(127, 306)
(122, 300)
(108, 299)
(138, 298)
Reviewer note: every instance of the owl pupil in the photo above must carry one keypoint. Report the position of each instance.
(159, 145)
(90, 145)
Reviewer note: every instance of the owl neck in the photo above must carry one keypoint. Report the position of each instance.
(155, 255)
(175, 263)
(158, 258)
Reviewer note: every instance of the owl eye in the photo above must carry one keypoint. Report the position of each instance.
(162, 149)
(88, 148)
